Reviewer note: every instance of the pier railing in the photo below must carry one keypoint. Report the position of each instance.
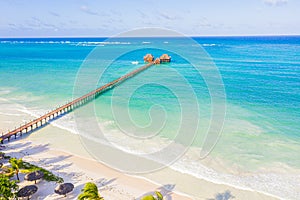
(41, 121)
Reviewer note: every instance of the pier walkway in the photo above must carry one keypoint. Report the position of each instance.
(39, 122)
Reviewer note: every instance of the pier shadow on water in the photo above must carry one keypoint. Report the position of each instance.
(20, 136)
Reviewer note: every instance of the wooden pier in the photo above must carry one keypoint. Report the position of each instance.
(39, 122)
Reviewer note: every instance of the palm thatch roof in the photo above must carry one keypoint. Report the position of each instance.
(64, 188)
(33, 176)
(165, 57)
(27, 191)
(157, 61)
(148, 57)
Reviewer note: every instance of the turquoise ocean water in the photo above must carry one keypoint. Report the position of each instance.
(261, 77)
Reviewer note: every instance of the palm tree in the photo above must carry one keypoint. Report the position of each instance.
(148, 197)
(90, 192)
(159, 196)
(16, 164)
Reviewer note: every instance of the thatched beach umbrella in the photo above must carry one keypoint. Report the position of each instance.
(27, 191)
(64, 188)
(33, 176)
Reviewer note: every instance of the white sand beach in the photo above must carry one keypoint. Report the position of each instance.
(62, 153)
(80, 169)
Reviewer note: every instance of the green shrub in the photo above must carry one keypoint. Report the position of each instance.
(18, 165)
(3, 156)
(90, 192)
(48, 176)
(159, 196)
(7, 188)
(149, 197)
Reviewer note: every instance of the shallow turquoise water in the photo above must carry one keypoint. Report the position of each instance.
(261, 77)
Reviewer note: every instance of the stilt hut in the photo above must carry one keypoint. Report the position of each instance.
(165, 58)
(157, 61)
(148, 58)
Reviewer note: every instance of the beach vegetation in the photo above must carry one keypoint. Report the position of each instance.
(90, 192)
(158, 195)
(3, 156)
(7, 171)
(16, 165)
(7, 188)
(48, 176)
(148, 197)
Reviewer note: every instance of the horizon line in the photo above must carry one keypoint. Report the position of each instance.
(163, 36)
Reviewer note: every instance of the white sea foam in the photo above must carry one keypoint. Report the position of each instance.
(66, 122)
(135, 62)
(3, 92)
(12, 108)
(208, 45)
(99, 43)
(283, 185)
(10, 114)
(83, 43)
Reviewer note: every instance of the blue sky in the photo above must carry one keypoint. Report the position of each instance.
(52, 18)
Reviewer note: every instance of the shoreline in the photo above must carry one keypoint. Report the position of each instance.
(79, 170)
(178, 182)
(48, 135)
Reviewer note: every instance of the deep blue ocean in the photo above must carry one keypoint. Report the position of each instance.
(260, 75)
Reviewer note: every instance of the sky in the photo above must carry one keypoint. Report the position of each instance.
(97, 18)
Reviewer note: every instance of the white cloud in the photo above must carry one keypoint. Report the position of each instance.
(54, 14)
(36, 23)
(87, 10)
(166, 16)
(275, 2)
